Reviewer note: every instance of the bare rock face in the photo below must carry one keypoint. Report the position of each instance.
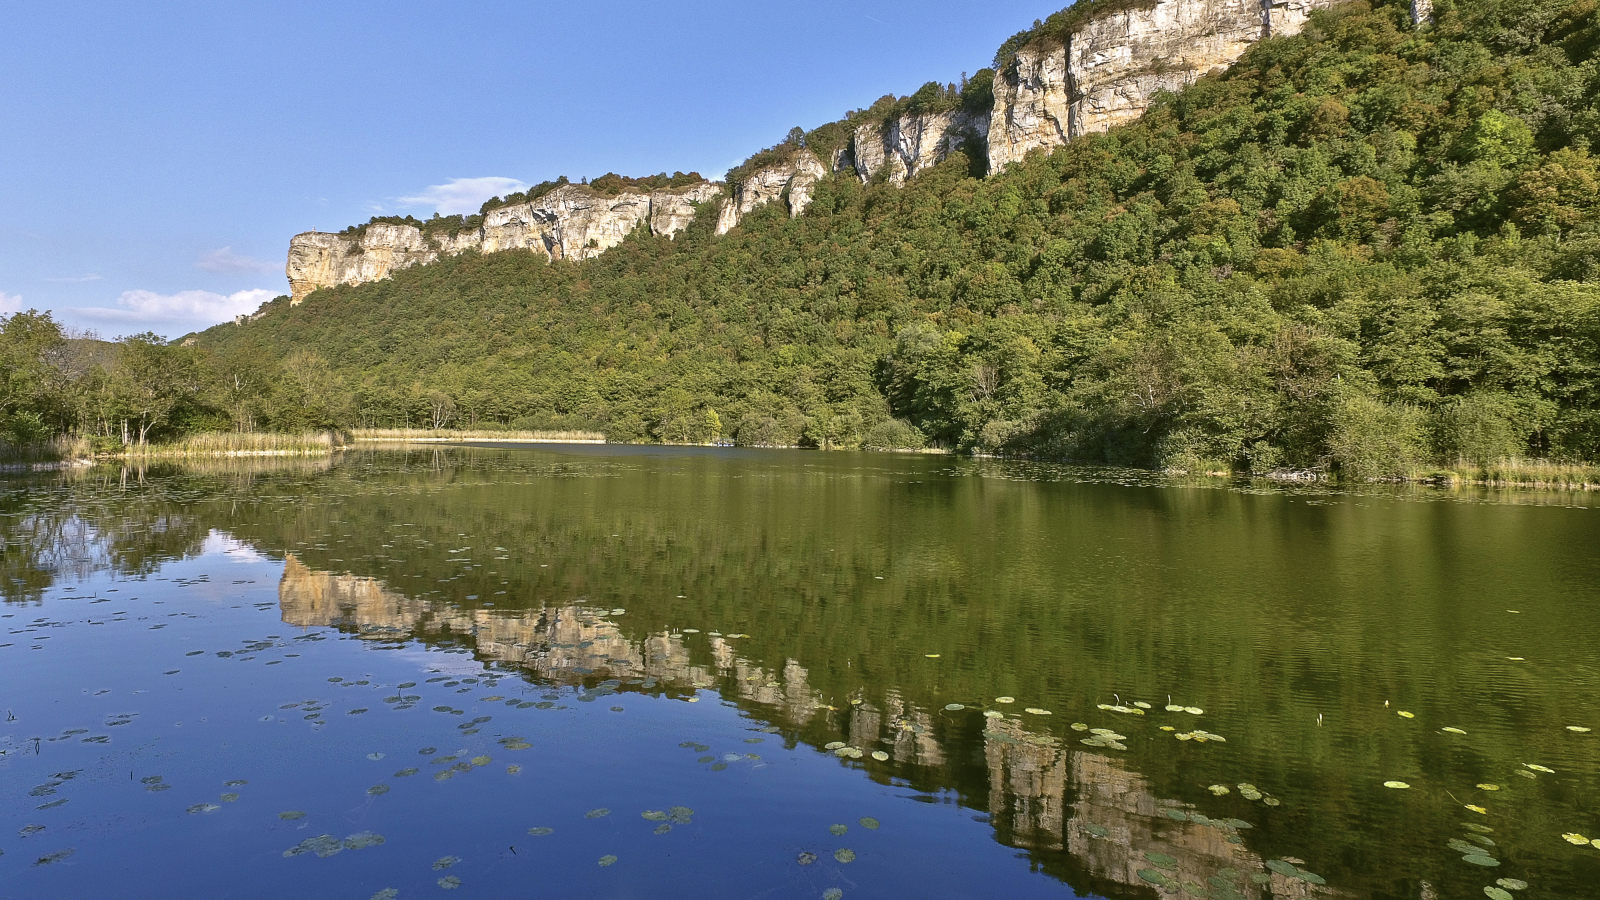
(798, 176)
(1107, 71)
(570, 222)
(911, 143)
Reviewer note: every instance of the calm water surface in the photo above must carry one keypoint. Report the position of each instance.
(624, 672)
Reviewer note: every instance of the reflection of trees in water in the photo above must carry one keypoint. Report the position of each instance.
(1089, 818)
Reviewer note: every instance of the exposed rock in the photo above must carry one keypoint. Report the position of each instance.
(1421, 12)
(570, 222)
(1107, 71)
(910, 143)
(797, 176)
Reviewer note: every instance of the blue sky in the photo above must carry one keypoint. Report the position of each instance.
(156, 157)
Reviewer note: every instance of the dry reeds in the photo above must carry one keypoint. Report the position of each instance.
(235, 443)
(427, 436)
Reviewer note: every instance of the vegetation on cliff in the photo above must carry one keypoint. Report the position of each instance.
(1369, 248)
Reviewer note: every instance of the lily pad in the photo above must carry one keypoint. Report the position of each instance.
(1283, 868)
(1488, 787)
(1579, 729)
(844, 855)
(880, 756)
(541, 831)
(607, 860)
(832, 894)
(1036, 711)
(445, 862)
(837, 830)
(1453, 730)
(1397, 785)
(291, 815)
(1578, 839)
(1479, 859)
(1512, 884)
(954, 707)
(450, 882)
(1005, 699)
(597, 813)
(1161, 860)
(869, 823)
(1537, 768)
(1496, 893)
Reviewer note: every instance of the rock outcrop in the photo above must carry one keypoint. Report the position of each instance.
(1107, 71)
(794, 179)
(908, 144)
(570, 222)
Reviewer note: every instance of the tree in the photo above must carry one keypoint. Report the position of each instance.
(151, 380)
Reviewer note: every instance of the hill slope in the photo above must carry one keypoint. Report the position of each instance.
(1367, 246)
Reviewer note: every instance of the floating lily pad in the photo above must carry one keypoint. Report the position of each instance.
(450, 882)
(844, 855)
(203, 808)
(869, 823)
(362, 840)
(323, 845)
(386, 894)
(1478, 809)
(235, 783)
(1397, 785)
(1578, 839)
(806, 858)
(953, 707)
(1453, 730)
(1154, 877)
(1161, 860)
(53, 858)
(1407, 715)
(607, 860)
(1034, 710)
(1579, 729)
(832, 894)
(541, 831)
(1479, 859)
(1285, 869)
(1495, 893)
(1218, 789)
(230, 797)
(378, 790)
(445, 862)
(406, 773)
(1540, 769)
(1512, 884)
(291, 815)
(1488, 787)
(1099, 831)
(880, 756)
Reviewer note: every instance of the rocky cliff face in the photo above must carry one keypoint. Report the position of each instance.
(908, 144)
(1106, 72)
(1102, 74)
(570, 222)
(797, 177)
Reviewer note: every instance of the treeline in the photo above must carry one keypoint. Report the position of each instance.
(143, 389)
(1369, 248)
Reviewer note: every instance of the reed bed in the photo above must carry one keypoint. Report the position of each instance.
(235, 443)
(50, 453)
(428, 436)
(1536, 473)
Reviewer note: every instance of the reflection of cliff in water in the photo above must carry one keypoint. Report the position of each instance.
(1084, 816)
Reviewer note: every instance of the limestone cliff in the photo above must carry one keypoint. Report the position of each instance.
(795, 176)
(571, 222)
(1106, 71)
(1103, 72)
(908, 144)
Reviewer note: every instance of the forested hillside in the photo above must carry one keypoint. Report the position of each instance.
(1370, 248)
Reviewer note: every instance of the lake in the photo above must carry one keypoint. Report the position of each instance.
(661, 672)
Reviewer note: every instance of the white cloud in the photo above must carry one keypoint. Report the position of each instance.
(10, 303)
(76, 279)
(185, 307)
(227, 262)
(464, 195)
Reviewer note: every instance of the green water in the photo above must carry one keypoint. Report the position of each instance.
(1328, 637)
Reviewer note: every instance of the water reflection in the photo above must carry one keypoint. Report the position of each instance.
(1113, 829)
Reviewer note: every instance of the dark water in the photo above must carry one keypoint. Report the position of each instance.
(206, 669)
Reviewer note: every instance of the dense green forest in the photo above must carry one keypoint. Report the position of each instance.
(1370, 249)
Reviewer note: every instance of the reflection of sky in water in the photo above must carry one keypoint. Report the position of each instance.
(263, 638)
(201, 728)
